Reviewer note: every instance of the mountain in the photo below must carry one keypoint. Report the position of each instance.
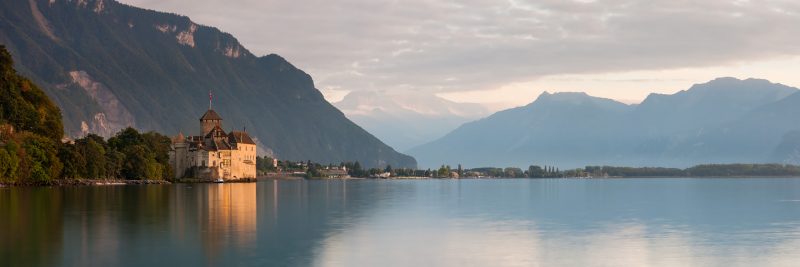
(725, 120)
(555, 123)
(788, 150)
(698, 125)
(765, 132)
(110, 65)
(405, 120)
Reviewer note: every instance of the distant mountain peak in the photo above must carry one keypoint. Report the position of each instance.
(574, 99)
(749, 92)
(563, 95)
(732, 83)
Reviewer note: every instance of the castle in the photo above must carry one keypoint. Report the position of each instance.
(215, 154)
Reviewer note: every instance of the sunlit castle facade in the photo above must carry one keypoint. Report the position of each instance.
(213, 154)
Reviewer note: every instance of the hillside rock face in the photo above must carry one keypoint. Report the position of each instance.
(723, 121)
(109, 66)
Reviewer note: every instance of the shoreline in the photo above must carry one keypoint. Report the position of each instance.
(86, 182)
(113, 182)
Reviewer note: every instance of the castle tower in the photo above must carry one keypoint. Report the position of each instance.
(178, 155)
(209, 120)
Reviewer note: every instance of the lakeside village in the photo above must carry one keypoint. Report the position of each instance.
(268, 167)
(219, 156)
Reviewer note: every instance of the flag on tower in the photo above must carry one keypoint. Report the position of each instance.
(210, 97)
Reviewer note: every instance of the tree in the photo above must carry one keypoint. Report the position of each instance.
(7, 164)
(39, 157)
(74, 162)
(512, 172)
(535, 171)
(125, 138)
(114, 163)
(443, 171)
(95, 158)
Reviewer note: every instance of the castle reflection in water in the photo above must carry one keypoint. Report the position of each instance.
(227, 215)
(179, 224)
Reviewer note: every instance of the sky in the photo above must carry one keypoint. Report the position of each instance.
(504, 53)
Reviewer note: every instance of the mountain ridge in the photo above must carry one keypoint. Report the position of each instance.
(680, 129)
(110, 65)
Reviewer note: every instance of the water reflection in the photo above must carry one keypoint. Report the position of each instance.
(30, 226)
(230, 217)
(635, 222)
(579, 223)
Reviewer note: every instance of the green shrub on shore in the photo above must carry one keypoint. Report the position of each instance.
(32, 151)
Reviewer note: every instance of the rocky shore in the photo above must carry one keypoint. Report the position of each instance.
(86, 182)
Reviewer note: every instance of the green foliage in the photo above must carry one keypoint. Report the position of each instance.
(708, 170)
(114, 162)
(354, 169)
(9, 168)
(145, 156)
(728, 170)
(512, 172)
(7, 164)
(535, 172)
(94, 154)
(264, 165)
(444, 171)
(74, 162)
(38, 159)
(25, 106)
(598, 171)
(128, 155)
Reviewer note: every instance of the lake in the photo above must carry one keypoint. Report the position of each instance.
(491, 222)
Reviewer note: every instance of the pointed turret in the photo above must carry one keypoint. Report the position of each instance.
(180, 138)
(209, 120)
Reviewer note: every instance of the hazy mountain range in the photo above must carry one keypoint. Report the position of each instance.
(405, 120)
(723, 121)
(108, 66)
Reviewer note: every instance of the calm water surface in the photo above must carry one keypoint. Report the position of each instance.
(609, 222)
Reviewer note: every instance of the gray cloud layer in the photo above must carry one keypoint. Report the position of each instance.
(440, 45)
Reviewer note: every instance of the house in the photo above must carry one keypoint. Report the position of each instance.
(334, 172)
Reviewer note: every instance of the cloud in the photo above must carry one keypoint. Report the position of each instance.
(441, 46)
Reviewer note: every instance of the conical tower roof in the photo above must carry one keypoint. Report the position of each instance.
(180, 138)
(210, 115)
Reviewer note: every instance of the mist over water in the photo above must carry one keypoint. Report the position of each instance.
(513, 222)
